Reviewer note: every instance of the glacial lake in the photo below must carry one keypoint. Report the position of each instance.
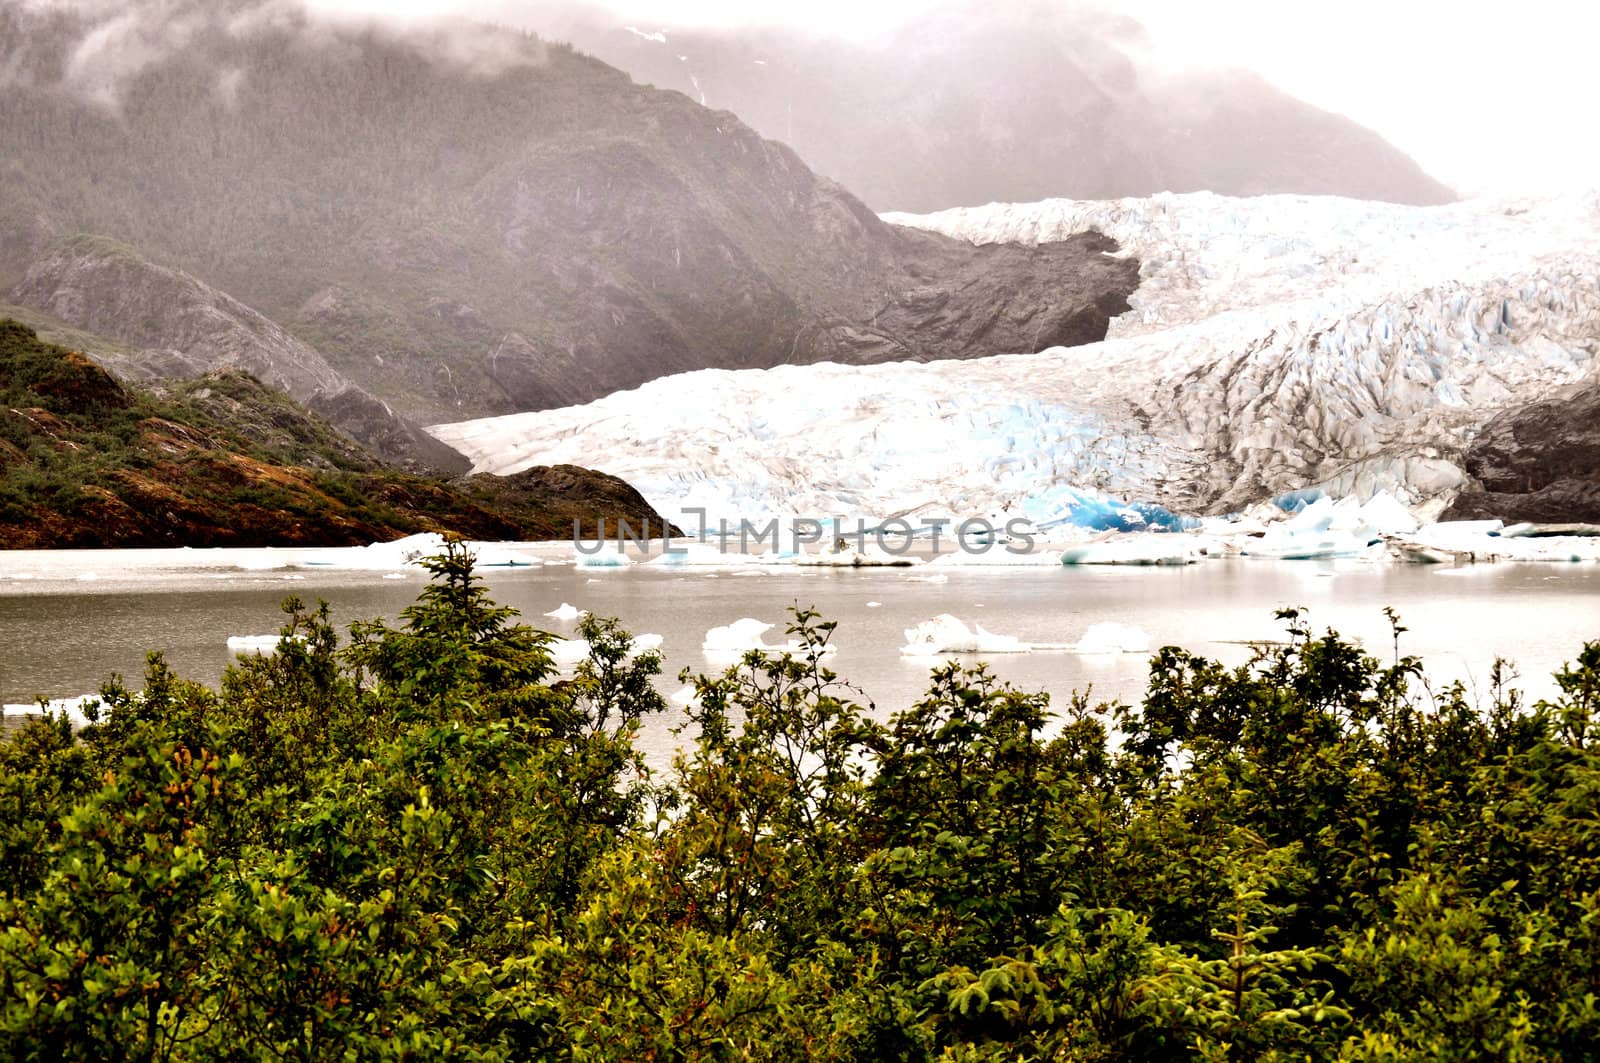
(68, 620)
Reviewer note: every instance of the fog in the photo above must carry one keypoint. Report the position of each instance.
(1487, 97)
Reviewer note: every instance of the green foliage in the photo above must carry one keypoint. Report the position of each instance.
(224, 460)
(418, 842)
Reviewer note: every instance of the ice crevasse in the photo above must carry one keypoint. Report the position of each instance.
(1275, 343)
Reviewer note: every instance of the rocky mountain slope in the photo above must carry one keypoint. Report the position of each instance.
(978, 102)
(1274, 344)
(168, 324)
(1540, 462)
(223, 460)
(477, 221)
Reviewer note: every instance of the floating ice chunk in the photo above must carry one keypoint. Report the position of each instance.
(1110, 636)
(947, 634)
(1385, 514)
(1345, 516)
(264, 644)
(1150, 549)
(685, 696)
(874, 605)
(564, 611)
(1466, 527)
(734, 640)
(934, 577)
(568, 653)
(394, 575)
(606, 557)
(1280, 545)
(997, 558)
(1295, 501)
(490, 555)
(704, 555)
(1317, 516)
(738, 637)
(253, 562)
(87, 577)
(411, 547)
(74, 709)
(1470, 539)
(866, 557)
(1058, 505)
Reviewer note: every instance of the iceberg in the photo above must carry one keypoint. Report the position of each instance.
(865, 557)
(74, 709)
(732, 641)
(1384, 513)
(565, 611)
(260, 644)
(567, 654)
(609, 556)
(704, 555)
(997, 557)
(1310, 545)
(948, 634)
(738, 637)
(492, 555)
(1110, 636)
(1149, 549)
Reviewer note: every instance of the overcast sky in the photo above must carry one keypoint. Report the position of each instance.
(1489, 97)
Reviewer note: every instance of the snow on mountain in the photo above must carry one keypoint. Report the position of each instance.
(1275, 343)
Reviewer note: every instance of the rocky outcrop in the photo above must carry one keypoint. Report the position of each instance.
(225, 461)
(573, 499)
(179, 326)
(106, 287)
(479, 239)
(1538, 463)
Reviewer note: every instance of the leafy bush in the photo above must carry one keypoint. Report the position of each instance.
(418, 842)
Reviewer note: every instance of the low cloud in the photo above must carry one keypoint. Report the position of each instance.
(114, 41)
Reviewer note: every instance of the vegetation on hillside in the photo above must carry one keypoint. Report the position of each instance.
(224, 461)
(414, 843)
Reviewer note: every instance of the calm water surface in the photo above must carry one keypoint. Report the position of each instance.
(69, 620)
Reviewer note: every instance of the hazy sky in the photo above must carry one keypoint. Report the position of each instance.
(1490, 97)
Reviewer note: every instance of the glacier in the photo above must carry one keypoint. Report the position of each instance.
(1277, 345)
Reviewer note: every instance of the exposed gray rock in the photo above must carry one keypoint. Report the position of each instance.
(1538, 463)
(180, 327)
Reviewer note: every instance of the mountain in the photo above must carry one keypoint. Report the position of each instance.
(977, 102)
(223, 460)
(1274, 344)
(467, 221)
(165, 323)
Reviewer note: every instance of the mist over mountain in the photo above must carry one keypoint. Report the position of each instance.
(1011, 103)
(467, 220)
